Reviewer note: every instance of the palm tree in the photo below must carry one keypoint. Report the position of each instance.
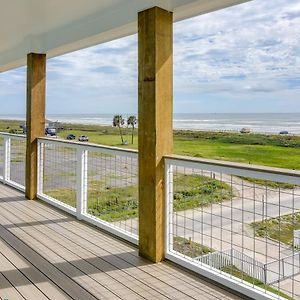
(131, 121)
(118, 121)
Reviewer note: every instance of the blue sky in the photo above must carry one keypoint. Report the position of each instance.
(242, 59)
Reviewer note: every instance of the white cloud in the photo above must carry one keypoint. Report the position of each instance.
(257, 41)
(251, 48)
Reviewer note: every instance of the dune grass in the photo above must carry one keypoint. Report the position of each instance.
(279, 228)
(121, 203)
(189, 248)
(192, 191)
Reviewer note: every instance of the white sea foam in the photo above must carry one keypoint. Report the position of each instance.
(265, 123)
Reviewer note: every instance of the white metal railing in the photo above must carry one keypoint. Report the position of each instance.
(12, 160)
(213, 207)
(98, 184)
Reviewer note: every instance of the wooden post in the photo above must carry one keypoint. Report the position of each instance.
(155, 33)
(35, 117)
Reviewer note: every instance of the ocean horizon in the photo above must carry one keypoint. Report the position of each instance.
(256, 122)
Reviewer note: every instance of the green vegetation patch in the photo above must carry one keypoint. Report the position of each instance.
(189, 248)
(11, 126)
(279, 228)
(65, 174)
(192, 191)
(18, 159)
(264, 155)
(65, 195)
(239, 274)
(99, 154)
(241, 139)
(109, 204)
(121, 203)
(112, 203)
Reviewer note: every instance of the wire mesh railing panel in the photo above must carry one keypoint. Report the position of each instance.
(59, 165)
(112, 192)
(98, 184)
(236, 225)
(1, 156)
(17, 160)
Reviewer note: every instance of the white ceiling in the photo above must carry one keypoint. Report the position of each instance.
(56, 27)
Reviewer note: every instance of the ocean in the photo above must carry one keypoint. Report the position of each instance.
(260, 123)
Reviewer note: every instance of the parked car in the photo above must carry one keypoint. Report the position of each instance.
(71, 137)
(23, 127)
(83, 138)
(283, 132)
(245, 130)
(50, 131)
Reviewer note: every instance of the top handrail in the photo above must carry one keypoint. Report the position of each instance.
(238, 169)
(233, 168)
(90, 146)
(13, 135)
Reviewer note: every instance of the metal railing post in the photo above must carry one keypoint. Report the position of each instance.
(81, 191)
(40, 171)
(169, 206)
(6, 166)
(265, 273)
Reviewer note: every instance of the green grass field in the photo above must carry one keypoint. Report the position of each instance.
(269, 150)
(274, 156)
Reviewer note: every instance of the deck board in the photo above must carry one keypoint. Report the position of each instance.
(30, 272)
(51, 255)
(8, 291)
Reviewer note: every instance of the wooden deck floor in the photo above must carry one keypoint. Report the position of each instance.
(46, 254)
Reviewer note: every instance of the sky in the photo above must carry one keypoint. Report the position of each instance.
(242, 59)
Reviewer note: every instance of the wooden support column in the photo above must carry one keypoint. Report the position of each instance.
(155, 34)
(35, 117)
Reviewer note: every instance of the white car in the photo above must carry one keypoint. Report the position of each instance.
(83, 138)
